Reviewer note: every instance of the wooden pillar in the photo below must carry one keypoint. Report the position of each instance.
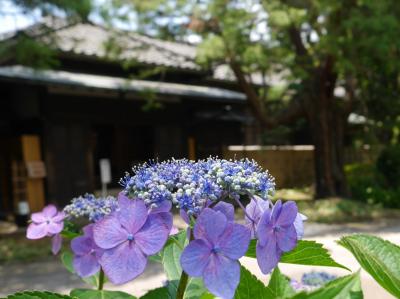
(31, 152)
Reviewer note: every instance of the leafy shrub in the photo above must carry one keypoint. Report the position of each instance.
(388, 165)
(367, 184)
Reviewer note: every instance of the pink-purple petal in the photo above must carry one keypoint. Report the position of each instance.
(38, 217)
(195, 257)
(56, 243)
(54, 227)
(210, 225)
(286, 238)
(153, 235)
(49, 211)
(221, 276)
(267, 256)
(288, 214)
(59, 217)
(132, 214)
(227, 209)
(123, 263)
(108, 232)
(86, 265)
(36, 231)
(234, 241)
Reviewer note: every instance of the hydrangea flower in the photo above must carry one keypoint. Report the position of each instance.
(90, 206)
(48, 222)
(190, 185)
(86, 253)
(276, 234)
(128, 236)
(214, 253)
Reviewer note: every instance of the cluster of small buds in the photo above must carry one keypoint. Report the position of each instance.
(191, 185)
(312, 280)
(90, 206)
(317, 279)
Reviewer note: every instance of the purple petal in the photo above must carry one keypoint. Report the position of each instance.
(264, 228)
(49, 211)
(162, 207)
(195, 257)
(286, 238)
(267, 256)
(123, 263)
(167, 219)
(234, 241)
(82, 245)
(55, 227)
(153, 235)
(227, 209)
(221, 276)
(132, 214)
(56, 243)
(184, 216)
(108, 232)
(299, 225)
(86, 265)
(276, 211)
(210, 225)
(38, 217)
(288, 214)
(36, 231)
(88, 230)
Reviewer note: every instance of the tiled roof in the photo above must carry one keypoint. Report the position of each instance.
(90, 39)
(80, 80)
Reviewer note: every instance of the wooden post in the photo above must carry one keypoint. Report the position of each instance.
(31, 152)
(191, 148)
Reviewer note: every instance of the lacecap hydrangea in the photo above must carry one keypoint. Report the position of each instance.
(122, 233)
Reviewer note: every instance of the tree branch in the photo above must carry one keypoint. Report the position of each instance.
(287, 116)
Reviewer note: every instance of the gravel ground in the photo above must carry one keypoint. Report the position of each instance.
(49, 274)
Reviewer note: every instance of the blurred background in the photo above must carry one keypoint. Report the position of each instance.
(308, 88)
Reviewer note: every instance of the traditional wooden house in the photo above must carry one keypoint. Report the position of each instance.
(56, 124)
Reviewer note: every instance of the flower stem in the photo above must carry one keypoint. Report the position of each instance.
(182, 285)
(183, 281)
(101, 280)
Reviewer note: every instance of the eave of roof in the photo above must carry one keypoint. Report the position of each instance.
(62, 78)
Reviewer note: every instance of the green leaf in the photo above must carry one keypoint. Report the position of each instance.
(168, 292)
(195, 289)
(306, 253)
(170, 256)
(380, 258)
(95, 294)
(67, 259)
(250, 287)
(37, 295)
(347, 287)
(279, 285)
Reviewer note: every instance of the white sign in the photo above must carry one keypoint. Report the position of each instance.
(105, 171)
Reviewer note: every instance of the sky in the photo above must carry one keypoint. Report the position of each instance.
(12, 18)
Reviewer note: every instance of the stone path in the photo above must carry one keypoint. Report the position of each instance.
(51, 275)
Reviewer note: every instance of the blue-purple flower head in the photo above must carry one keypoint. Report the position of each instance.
(191, 185)
(95, 208)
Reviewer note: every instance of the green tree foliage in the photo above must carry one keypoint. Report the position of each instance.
(311, 46)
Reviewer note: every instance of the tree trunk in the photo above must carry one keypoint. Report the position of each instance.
(327, 128)
(327, 123)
